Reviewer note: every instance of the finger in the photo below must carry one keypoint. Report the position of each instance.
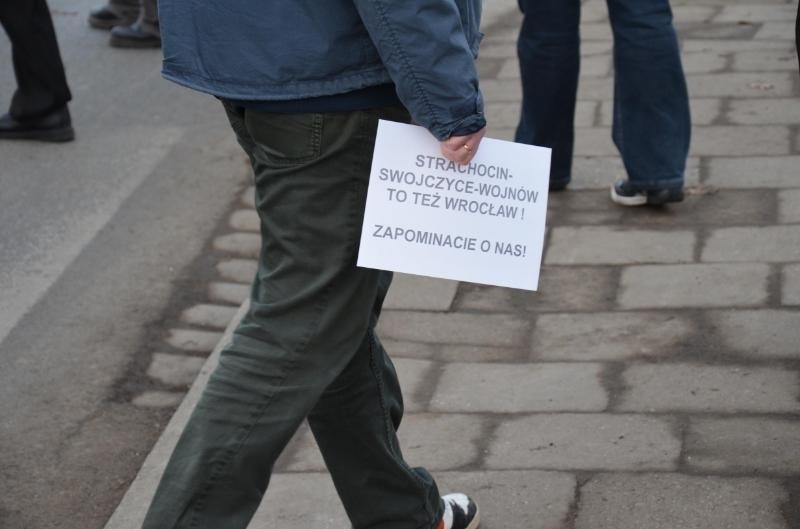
(459, 155)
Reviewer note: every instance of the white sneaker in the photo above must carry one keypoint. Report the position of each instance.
(460, 512)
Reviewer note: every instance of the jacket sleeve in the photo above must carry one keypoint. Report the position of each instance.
(423, 45)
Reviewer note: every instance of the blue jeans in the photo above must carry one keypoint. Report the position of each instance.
(652, 125)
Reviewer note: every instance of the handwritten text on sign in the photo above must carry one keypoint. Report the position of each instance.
(483, 222)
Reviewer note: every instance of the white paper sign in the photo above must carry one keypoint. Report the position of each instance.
(483, 222)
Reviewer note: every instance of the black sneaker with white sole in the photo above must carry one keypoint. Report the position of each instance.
(624, 195)
(460, 512)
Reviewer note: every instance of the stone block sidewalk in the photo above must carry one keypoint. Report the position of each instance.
(654, 381)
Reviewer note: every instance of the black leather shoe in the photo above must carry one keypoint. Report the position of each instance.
(55, 126)
(107, 17)
(136, 35)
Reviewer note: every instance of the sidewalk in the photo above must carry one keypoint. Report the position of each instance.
(654, 381)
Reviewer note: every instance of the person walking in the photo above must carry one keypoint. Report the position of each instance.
(133, 23)
(651, 120)
(38, 109)
(304, 84)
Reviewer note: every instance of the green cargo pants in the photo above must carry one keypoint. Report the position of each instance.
(307, 347)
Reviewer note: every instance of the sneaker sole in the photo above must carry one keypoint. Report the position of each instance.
(55, 135)
(104, 24)
(476, 520)
(118, 42)
(636, 200)
(664, 196)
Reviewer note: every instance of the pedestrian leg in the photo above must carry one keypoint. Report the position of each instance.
(652, 126)
(311, 314)
(355, 424)
(549, 61)
(41, 82)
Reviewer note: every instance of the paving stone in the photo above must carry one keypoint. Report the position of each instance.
(238, 270)
(699, 388)
(529, 498)
(248, 197)
(764, 111)
(607, 336)
(594, 141)
(732, 46)
(703, 63)
(594, 88)
(490, 68)
(765, 60)
(598, 172)
(158, 399)
(593, 12)
(596, 47)
(486, 298)
(231, 293)
(611, 245)
(496, 91)
(420, 293)
(503, 33)
(668, 501)
(245, 220)
(497, 51)
(510, 70)
(498, 133)
(194, 340)
(407, 349)
(413, 376)
(694, 285)
(790, 285)
(239, 244)
(525, 388)
(505, 330)
(768, 244)
(596, 66)
(776, 31)
(744, 445)
(718, 31)
(760, 333)
(755, 172)
(480, 353)
(175, 370)
(596, 31)
(755, 13)
(703, 206)
(205, 315)
(453, 353)
(692, 13)
(561, 288)
(284, 507)
(585, 442)
(740, 140)
(506, 115)
(425, 439)
(704, 111)
(789, 206)
(764, 84)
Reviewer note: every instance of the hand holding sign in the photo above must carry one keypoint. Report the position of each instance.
(481, 221)
(462, 149)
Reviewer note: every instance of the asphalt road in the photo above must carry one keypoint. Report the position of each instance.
(98, 239)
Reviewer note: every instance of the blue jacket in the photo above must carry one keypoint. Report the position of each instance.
(296, 49)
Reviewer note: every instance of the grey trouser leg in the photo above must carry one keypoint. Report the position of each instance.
(306, 347)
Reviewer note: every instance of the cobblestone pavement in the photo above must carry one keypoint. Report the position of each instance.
(654, 381)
